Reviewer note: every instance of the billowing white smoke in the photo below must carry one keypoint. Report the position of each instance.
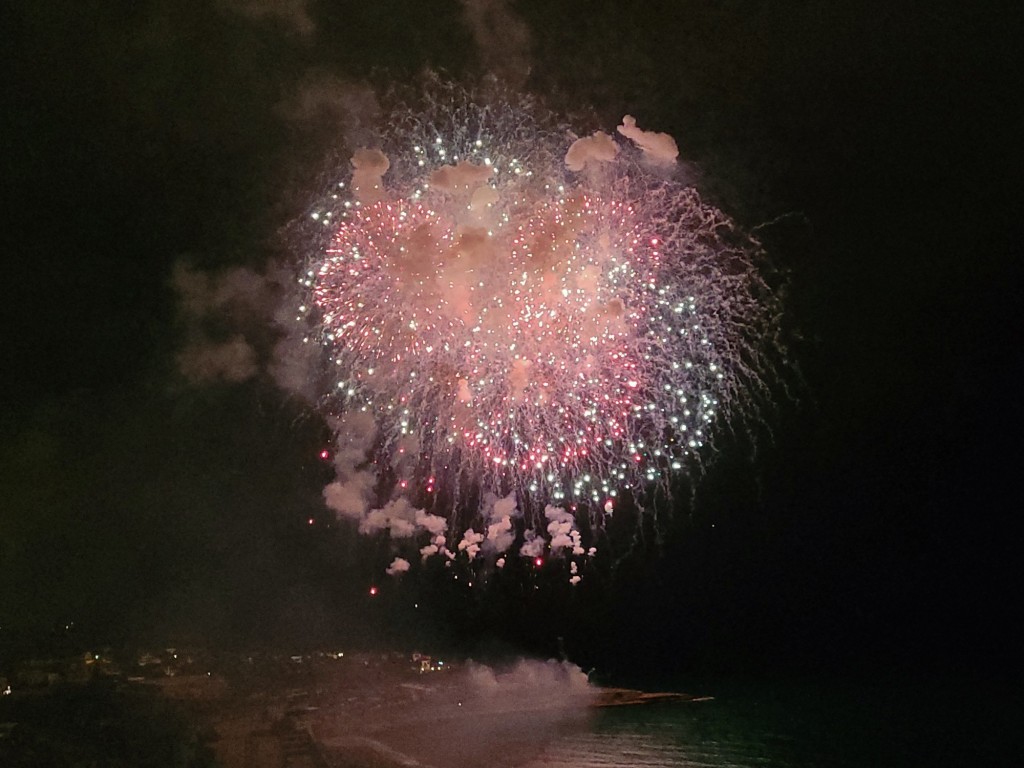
(474, 715)
(658, 148)
(398, 565)
(500, 534)
(528, 684)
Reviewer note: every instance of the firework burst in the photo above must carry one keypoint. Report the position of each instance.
(526, 315)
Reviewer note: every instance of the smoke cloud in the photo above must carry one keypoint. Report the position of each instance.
(294, 14)
(459, 178)
(500, 534)
(474, 714)
(658, 148)
(321, 98)
(562, 530)
(203, 361)
(533, 545)
(367, 179)
(349, 498)
(592, 150)
(502, 39)
(398, 565)
(215, 310)
(470, 543)
(398, 517)
(435, 524)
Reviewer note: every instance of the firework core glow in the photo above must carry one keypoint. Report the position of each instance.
(525, 322)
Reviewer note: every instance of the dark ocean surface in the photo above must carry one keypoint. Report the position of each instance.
(805, 726)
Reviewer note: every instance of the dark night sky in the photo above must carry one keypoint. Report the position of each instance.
(880, 523)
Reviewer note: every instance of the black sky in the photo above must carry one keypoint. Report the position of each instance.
(880, 523)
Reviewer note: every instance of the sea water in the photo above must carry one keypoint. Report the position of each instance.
(804, 726)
